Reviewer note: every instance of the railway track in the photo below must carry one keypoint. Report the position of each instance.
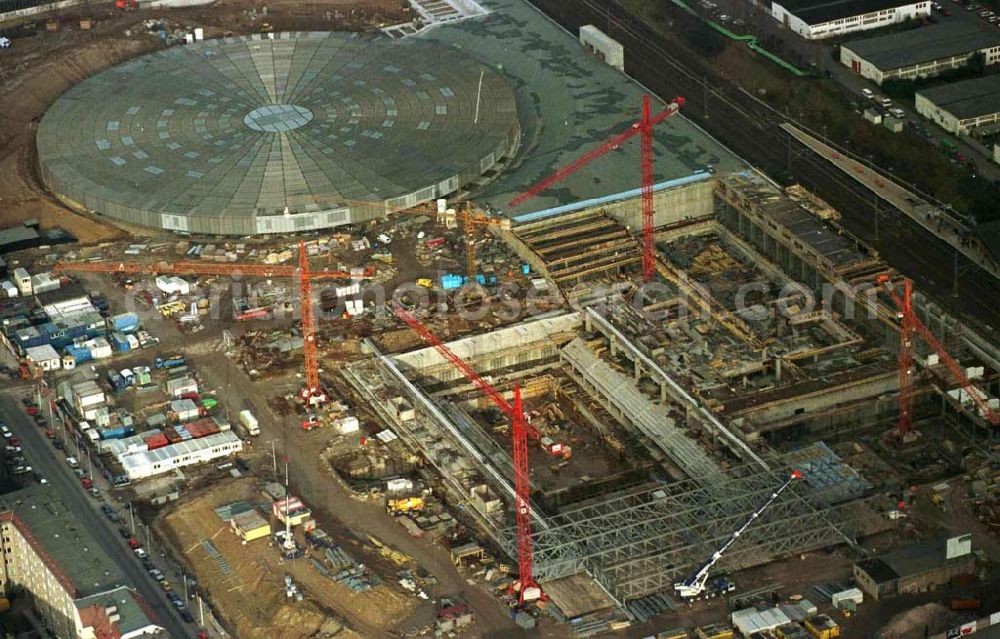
(751, 129)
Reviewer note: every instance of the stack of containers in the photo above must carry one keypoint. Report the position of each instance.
(182, 431)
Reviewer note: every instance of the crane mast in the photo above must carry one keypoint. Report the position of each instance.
(526, 588)
(910, 327)
(644, 129)
(311, 393)
(695, 584)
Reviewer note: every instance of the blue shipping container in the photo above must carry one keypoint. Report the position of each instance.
(449, 281)
(124, 322)
(79, 353)
(117, 433)
(118, 342)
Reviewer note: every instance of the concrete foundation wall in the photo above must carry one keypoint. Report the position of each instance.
(821, 401)
(490, 351)
(670, 205)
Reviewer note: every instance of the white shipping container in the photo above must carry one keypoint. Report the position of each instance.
(90, 399)
(248, 420)
(348, 425)
(199, 34)
(399, 485)
(975, 372)
(180, 386)
(23, 281)
(9, 289)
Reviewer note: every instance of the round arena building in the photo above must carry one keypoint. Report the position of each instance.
(255, 135)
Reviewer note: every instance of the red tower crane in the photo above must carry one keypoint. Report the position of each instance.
(526, 587)
(311, 392)
(643, 128)
(910, 326)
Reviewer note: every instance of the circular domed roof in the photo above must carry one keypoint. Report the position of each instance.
(256, 135)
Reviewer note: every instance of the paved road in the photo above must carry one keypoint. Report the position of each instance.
(51, 465)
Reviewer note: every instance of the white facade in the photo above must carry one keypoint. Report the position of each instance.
(920, 53)
(180, 386)
(952, 123)
(99, 348)
(923, 70)
(23, 281)
(849, 24)
(172, 284)
(45, 357)
(603, 46)
(148, 463)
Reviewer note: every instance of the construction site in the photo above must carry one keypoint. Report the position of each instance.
(443, 326)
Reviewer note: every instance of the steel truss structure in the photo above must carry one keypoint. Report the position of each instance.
(642, 543)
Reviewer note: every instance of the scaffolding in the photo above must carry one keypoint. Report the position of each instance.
(644, 542)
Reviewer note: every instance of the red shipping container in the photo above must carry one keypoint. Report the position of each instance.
(171, 435)
(156, 441)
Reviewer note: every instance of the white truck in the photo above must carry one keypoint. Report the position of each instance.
(249, 423)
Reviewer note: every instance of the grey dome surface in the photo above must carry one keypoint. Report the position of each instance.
(256, 135)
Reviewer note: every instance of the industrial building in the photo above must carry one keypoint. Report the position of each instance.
(413, 120)
(75, 587)
(920, 53)
(970, 107)
(818, 19)
(915, 568)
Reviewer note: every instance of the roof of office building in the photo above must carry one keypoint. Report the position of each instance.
(59, 534)
(820, 11)
(925, 44)
(133, 614)
(967, 99)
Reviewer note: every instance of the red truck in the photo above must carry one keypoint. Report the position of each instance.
(87, 482)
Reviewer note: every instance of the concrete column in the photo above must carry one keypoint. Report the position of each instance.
(614, 346)
(638, 369)
(663, 392)
(588, 323)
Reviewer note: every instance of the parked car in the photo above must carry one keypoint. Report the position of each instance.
(186, 616)
(134, 543)
(33, 410)
(868, 93)
(140, 553)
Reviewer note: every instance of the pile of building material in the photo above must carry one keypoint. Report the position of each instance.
(337, 565)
